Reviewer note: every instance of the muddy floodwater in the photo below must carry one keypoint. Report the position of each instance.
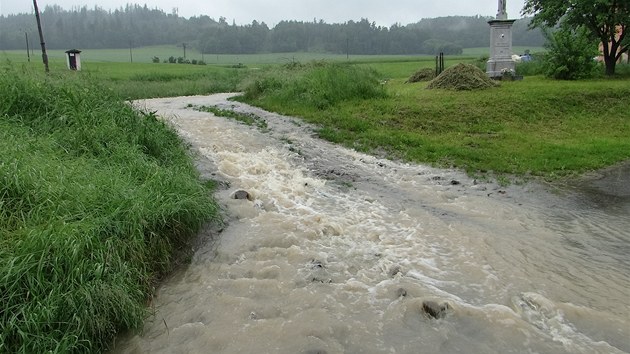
(339, 252)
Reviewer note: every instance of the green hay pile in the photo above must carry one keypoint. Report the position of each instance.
(425, 74)
(462, 77)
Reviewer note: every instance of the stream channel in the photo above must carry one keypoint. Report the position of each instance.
(336, 251)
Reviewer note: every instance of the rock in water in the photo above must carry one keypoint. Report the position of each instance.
(401, 292)
(435, 310)
(242, 195)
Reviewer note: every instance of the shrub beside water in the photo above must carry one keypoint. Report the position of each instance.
(570, 54)
(95, 198)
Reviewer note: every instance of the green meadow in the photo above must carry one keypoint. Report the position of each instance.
(98, 200)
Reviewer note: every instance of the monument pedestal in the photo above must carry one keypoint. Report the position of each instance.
(500, 48)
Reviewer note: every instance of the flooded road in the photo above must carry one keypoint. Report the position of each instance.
(340, 252)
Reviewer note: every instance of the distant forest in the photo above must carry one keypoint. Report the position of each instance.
(138, 26)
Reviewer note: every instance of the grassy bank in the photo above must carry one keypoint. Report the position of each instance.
(95, 198)
(531, 127)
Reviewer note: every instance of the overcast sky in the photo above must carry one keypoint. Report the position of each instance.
(383, 12)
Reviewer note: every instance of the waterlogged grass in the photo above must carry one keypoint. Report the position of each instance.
(95, 198)
(531, 127)
(245, 118)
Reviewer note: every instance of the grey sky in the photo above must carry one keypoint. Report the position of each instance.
(384, 13)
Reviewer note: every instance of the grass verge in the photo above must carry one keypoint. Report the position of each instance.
(94, 200)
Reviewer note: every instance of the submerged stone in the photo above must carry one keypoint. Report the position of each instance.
(435, 310)
(242, 195)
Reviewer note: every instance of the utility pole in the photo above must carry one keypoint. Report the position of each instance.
(28, 54)
(41, 36)
(130, 52)
(184, 45)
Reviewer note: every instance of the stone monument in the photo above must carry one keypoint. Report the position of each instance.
(500, 60)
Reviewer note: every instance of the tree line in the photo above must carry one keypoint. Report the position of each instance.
(137, 26)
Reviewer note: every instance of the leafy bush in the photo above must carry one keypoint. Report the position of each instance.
(155, 60)
(570, 53)
(535, 66)
(172, 60)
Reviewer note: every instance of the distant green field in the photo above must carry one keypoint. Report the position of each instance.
(142, 78)
(146, 54)
(136, 55)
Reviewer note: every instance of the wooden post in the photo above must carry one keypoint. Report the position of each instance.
(130, 52)
(28, 54)
(41, 36)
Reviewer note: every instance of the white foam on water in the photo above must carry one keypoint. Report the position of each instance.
(338, 251)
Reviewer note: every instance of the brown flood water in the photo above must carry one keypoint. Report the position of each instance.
(338, 251)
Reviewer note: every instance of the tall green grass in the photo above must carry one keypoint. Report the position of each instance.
(95, 198)
(318, 84)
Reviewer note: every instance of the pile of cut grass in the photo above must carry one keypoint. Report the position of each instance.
(95, 198)
(462, 77)
(421, 75)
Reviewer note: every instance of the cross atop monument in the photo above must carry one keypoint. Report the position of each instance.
(502, 12)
